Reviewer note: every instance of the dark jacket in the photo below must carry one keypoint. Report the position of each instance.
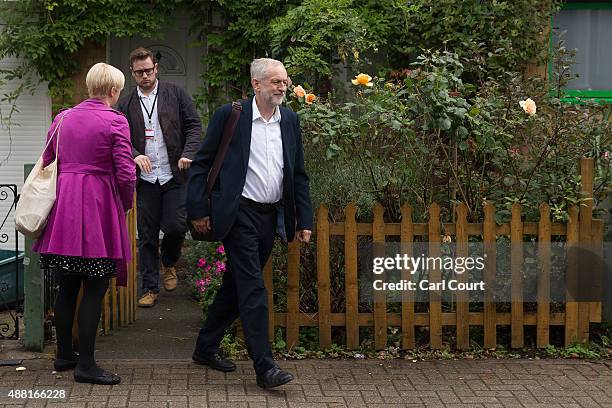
(230, 183)
(179, 122)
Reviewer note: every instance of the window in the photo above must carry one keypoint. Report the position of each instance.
(588, 30)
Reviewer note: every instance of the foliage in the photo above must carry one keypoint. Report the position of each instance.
(319, 39)
(48, 34)
(242, 36)
(497, 36)
(233, 347)
(434, 137)
(318, 33)
(208, 275)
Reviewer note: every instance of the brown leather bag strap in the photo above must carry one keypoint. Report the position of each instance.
(228, 132)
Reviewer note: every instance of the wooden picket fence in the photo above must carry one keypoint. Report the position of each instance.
(581, 227)
(119, 304)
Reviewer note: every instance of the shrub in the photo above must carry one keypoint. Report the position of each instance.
(432, 137)
(208, 275)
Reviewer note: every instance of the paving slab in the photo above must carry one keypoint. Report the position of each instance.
(321, 383)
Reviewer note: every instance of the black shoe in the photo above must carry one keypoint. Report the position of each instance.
(96, 376)
(273, 378)
(61, 364)
(215, 361)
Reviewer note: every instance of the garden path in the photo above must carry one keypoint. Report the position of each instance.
(166, 331)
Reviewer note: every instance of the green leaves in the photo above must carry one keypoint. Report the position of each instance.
(49, 33)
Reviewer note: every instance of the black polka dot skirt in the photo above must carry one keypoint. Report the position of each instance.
(79, 266)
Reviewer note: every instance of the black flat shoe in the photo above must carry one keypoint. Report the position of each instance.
(273, 378)
(61, 364)
(101, 377)
(215, 361)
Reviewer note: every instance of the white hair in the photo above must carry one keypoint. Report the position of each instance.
(101, 78)
(260, 66)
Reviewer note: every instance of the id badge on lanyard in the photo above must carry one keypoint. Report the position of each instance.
(149, 129)
(149, 132)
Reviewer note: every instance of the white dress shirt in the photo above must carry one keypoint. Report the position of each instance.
(264, 178)
(155, 148)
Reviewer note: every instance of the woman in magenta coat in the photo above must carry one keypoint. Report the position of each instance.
(86, 238)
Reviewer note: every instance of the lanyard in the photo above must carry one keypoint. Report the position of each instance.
(149, 114)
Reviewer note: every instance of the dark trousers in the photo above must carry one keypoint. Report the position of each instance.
(160, 207)
(242, 293)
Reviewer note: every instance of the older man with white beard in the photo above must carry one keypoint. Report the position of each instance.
(262, 189)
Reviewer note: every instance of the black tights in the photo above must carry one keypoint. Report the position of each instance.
(90, 309)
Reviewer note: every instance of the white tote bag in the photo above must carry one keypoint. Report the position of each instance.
(38, 193)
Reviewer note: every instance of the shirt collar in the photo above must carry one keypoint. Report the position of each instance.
(140, 94)
(276, 117)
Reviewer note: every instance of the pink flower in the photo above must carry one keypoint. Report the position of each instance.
(208, 267)
(606, 155)
(201, 263)
(221, 249)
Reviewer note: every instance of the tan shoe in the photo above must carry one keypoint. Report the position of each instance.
(147, 300)
(170, 278)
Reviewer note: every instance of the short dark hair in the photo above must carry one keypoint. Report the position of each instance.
(141, 54)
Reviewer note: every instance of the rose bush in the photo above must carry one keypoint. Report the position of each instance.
(429, 136)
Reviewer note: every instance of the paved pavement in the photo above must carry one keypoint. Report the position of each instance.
(327, 383)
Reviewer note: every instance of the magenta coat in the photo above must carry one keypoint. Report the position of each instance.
(95, 186)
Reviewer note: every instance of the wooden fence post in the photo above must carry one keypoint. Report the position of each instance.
(595, 309)
(293, 294)
(435, 277)
(407, 239)
(516, 266)
(585, 222)
(350, 277)
(34, 294)
(323, 277)
(462, 297)
(571, 278)
(380, 301)
(543, 311)
(489, 245)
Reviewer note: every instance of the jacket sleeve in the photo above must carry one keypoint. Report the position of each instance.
(49, 153)
(197, 199)
(192, 125)
(303, 205)
(124, 168)
(123, 106)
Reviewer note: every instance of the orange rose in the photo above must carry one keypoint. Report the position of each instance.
(299, 91)
(310, 98)
(363, 79)
(529, 106)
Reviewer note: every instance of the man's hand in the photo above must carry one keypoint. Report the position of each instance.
(144, 163)
(184, 163)
(304, 236)
(202, 225)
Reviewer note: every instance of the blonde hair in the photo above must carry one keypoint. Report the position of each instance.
(101, 78)
(259, 67)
